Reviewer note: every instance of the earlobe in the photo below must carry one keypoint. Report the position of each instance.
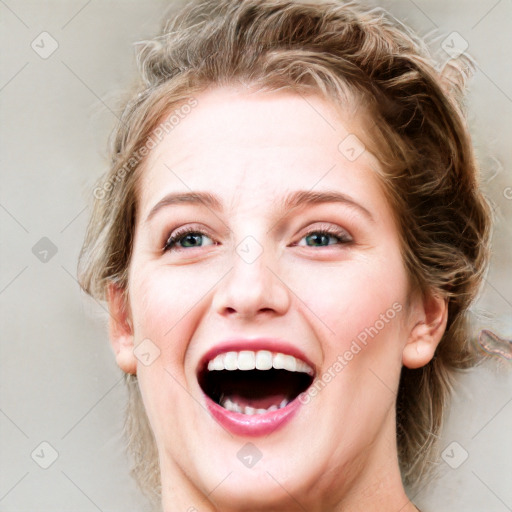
(121, 329)
(428, 327)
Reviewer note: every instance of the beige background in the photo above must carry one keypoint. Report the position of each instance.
(59, 383)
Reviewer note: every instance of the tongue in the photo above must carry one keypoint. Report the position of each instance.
(257, 403)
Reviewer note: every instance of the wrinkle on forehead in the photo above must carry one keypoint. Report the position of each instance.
(263, 133)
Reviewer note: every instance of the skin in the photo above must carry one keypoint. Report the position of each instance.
(250, 150)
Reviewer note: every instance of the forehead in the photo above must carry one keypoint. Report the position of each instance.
(241, 144)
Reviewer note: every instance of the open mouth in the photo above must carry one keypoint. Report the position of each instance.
(254, 382)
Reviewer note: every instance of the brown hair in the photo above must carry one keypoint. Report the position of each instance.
(429, 172)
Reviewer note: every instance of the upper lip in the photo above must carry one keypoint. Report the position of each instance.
(254, 344)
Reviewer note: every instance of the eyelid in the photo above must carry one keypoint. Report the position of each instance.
(183, 231)
(319, 227)
(331, 229)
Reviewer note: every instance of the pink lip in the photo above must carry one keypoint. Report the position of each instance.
(255, 424)
(255, 344)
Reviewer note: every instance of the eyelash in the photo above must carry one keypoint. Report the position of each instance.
(179, 234)
(341, 235)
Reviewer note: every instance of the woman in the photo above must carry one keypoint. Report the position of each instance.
(288, 241)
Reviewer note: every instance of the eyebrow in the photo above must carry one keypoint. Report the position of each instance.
(204, 198)
(308, 197)
(293, 200)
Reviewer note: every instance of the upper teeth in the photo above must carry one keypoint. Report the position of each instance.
(260, 360)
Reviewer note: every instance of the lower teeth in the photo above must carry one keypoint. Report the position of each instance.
(234, 407)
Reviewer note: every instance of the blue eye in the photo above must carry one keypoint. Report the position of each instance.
(325, 237)
(186, 239)
(190, 238)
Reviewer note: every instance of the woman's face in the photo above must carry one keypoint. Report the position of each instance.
(290, 261)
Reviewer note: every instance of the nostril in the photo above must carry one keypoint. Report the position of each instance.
(248, 293)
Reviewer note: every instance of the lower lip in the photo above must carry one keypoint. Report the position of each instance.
(252, 424)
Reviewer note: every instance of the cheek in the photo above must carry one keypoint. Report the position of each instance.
(166, 303)
(361, 300)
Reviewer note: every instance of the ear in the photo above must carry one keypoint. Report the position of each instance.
(428, 318)
(121, 329)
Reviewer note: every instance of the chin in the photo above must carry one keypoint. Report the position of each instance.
(241, 492)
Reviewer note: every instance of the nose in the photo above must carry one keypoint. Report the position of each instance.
(252, 289)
